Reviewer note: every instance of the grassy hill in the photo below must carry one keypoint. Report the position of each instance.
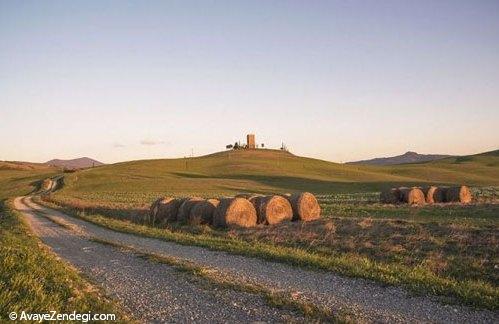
(264, 171)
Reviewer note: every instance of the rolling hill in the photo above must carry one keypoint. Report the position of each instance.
(408, 157)
(264, 171)
(79, 163)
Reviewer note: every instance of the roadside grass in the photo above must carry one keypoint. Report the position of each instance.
(454, 250)
(387, 255)
(34, 280)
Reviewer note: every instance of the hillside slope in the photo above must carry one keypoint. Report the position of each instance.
(264, 171)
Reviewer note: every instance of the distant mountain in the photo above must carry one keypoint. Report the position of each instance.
(79, 163)
(408, 157)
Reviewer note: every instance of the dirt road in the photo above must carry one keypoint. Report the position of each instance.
(155, 291)
(150, 291)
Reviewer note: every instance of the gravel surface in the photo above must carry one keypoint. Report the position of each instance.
(368, 300)
(151, 291)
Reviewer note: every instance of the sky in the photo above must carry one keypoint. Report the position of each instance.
(335, 80)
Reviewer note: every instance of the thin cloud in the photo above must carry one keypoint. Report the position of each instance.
(151, 142)
(118, 145)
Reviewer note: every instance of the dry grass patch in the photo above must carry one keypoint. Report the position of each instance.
(437, 262)
(365, 223)
(409, 243)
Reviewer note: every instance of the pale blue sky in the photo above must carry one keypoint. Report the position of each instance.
(337, 80)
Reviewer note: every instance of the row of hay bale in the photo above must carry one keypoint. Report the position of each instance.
(238, 211)
(427, 195)
(47, 184)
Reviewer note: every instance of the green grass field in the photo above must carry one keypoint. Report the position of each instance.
(448, 250)
(138, 183)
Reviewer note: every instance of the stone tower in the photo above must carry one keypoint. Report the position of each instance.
(250, 141)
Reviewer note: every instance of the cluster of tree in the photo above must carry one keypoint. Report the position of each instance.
(239, 146)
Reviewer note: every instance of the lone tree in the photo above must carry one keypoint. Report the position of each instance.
(229, 146)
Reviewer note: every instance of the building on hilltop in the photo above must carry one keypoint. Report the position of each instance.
(250, 141)
(250, 144)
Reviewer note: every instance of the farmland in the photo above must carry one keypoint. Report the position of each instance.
(448, 250)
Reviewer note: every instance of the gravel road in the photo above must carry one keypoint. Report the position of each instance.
(151, 291)
(370, 301)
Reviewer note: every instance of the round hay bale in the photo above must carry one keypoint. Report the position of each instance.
(305, 206)
(164, 210)
(234, 212)
(272, 209)
(47, 184)
(390, 196)
(168, 210)
(185, 208)
(434, 194)
(153, 211)
(202, 212)
(460, 194)
(412, 196)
